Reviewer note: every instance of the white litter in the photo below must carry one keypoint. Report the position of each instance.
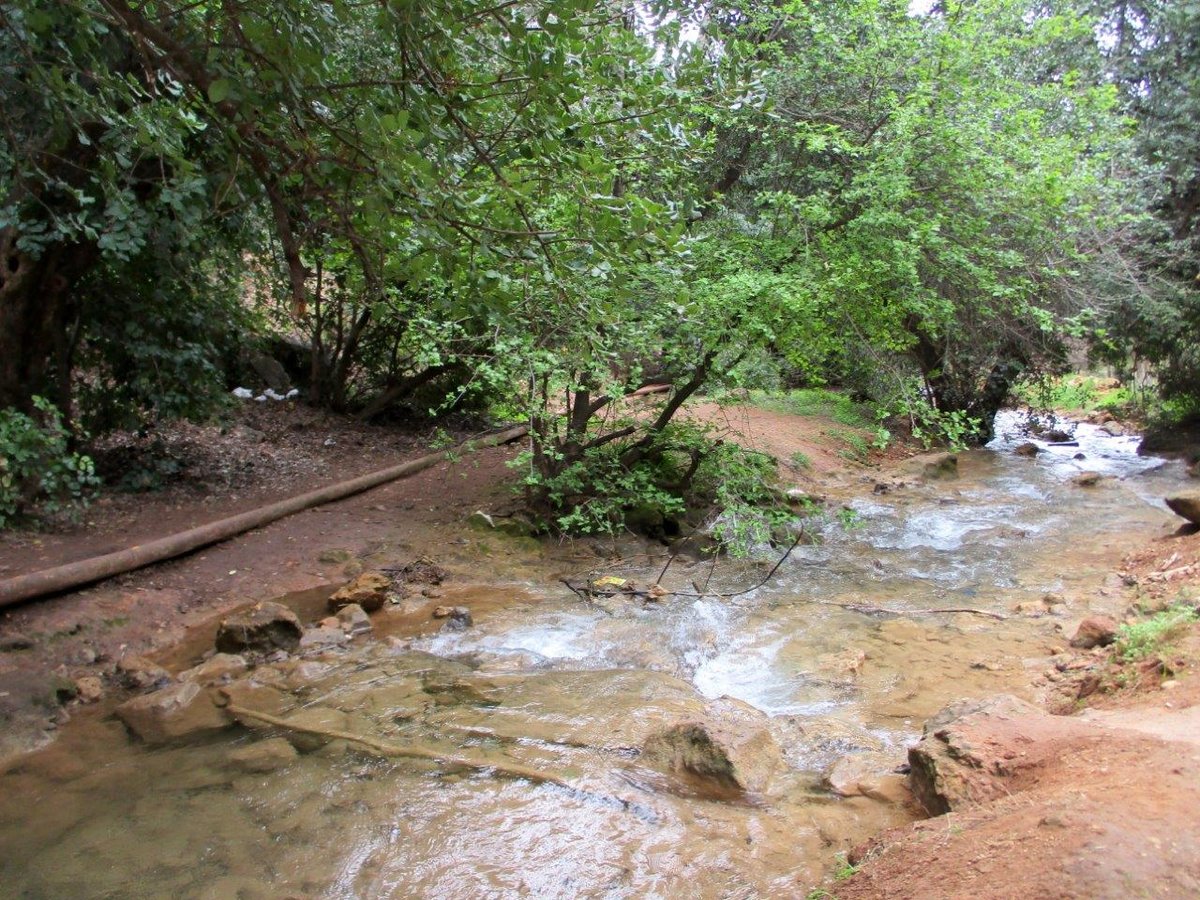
(243, 393)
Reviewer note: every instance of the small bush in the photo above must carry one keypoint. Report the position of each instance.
(38, 471)
(1152, 636)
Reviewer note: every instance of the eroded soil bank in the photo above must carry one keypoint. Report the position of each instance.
(676, 741)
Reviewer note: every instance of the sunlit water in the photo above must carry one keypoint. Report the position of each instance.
(572, 689)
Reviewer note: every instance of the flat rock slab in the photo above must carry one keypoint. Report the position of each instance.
(175, 713)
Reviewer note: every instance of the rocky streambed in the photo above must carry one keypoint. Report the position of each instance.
(450, 734)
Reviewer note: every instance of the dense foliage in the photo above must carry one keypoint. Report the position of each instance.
(547, 207)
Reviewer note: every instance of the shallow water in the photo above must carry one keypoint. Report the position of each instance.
(544, 680)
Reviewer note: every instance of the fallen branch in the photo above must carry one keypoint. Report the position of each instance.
(448, 760)
(76, 574)
(384, 748)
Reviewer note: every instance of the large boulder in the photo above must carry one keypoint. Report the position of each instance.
(730, 749)
(368, 590)
(970, 750)
(173, 714)
(263, 628)
(1186, 505)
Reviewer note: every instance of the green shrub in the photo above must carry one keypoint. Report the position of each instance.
(38, 471)
(1154, 635)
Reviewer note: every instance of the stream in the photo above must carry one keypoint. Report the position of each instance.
(548, 681)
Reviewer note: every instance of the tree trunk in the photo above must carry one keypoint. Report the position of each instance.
(34, 319)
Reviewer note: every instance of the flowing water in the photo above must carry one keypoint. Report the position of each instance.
(844, 652)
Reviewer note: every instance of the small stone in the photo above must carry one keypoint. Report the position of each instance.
(1087, 479)
(1095, 631)
(138, 673)
(1029, 448)
(369, 591)
(1169, 685)
(263, 756)
(89, 689)
(334, 555)
(353, 620)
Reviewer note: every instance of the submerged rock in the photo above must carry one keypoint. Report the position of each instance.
(221, 667)
(313, 721)
(731, 747)
(264, 628)
(934, 466)
(457, 618)
(1087, 479)
(174, 713)
(368, 590)
(263, 756)
(1186, 505)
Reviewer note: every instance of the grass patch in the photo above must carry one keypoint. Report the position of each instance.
(818, 402)
(1077, 393)
(800, 460)
(1153, 636)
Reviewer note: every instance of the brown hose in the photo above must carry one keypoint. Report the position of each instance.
(86, 571)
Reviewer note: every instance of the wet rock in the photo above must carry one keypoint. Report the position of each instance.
(448, 691)
(138, 673)
(1087, 479)
(1057, 436)
(458, 618)
(88, 689)
(221, 667)
(353, 620)
(731, 747)
(250, 694)
(1113, 428)
(263, 756)
(934, 466)
(950, 769)
(868, 775)
(1079, 456)
(1095, 631)
(313, 721)
(174, 713)
(264, 628)
(1186, 505)
(368, 590)
(1029, 448)
(322, 637)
